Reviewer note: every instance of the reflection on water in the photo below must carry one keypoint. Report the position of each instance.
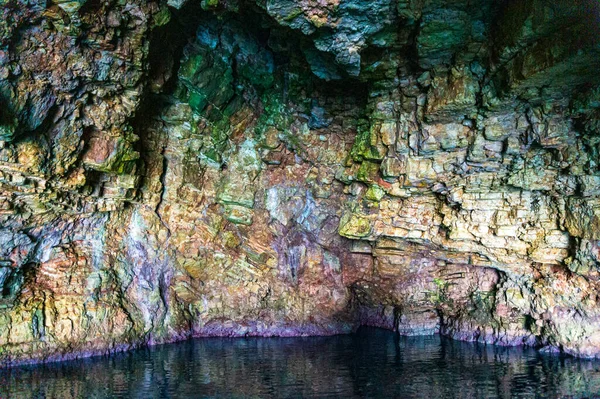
(372, 363)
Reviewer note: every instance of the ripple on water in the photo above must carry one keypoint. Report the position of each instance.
(372, 363)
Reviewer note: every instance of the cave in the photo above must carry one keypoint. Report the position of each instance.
(171, 170)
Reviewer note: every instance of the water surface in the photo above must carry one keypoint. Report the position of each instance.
(370, 364)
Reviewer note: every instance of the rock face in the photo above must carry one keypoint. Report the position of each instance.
(293, 167)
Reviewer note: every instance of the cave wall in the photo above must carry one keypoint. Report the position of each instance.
(193, 168)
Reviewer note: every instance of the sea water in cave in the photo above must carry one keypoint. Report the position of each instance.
(181, 169)
(372, 363)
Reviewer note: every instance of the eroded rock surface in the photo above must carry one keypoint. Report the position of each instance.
(191, 168)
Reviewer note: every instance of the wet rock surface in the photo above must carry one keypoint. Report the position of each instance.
(191, 168)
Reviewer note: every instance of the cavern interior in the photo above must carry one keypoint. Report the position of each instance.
(279, 168)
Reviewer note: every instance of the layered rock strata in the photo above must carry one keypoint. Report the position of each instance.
(286, 167)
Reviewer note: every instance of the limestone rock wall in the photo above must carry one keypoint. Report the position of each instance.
(191, 168)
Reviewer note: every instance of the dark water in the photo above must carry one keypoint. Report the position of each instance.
(370, 364)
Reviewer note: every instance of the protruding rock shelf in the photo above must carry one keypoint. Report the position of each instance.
(294, 167)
